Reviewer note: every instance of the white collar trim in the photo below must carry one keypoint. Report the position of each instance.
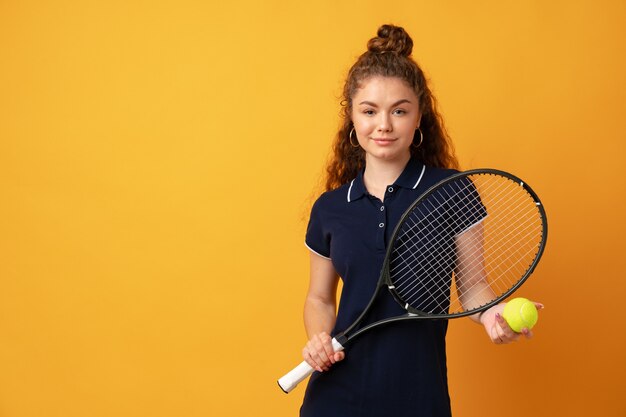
(420, 178)
(350, 189)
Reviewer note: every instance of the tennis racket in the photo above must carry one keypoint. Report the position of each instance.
(463, 246)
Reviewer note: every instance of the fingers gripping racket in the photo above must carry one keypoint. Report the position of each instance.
(463, 246)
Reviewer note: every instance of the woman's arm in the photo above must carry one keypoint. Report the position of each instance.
(320, 309)
(470, 274)
(474, 290)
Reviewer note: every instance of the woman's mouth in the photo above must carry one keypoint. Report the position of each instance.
(383, 141)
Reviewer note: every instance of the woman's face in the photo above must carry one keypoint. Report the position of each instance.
(385, 114)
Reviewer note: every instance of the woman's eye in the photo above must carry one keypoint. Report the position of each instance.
(399, 111)
(369, 112)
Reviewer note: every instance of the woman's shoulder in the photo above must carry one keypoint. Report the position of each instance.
(336, 195)
(441, 170)
(436, 174)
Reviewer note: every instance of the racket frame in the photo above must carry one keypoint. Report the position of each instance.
(349, 333)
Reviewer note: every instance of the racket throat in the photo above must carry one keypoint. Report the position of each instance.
(412, 312)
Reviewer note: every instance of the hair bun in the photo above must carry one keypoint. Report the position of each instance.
(391, 39)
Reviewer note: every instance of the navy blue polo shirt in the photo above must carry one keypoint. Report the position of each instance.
(397, 369)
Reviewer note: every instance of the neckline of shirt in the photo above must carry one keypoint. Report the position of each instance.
(410, 178)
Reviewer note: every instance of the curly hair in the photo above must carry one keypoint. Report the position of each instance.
(389, 55)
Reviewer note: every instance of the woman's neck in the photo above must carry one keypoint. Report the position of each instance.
(380, 173)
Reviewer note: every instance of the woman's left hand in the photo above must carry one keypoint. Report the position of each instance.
(497, 328)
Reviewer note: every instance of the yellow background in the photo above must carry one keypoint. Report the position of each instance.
(158, 159)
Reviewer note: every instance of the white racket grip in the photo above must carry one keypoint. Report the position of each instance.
(298, 374)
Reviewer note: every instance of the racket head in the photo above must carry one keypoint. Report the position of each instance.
(465, 244)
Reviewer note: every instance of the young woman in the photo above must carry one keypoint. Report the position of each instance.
(391, 147)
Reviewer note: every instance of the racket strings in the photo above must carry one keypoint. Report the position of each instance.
(463, 288)
(472, 266)
(426, 223)
(511, 237)
(502, 243)
(437, 264)
(439, 295)
(460, 289)
(435, 213)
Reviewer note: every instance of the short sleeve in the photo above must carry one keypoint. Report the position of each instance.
(469, 209)
(317, 234)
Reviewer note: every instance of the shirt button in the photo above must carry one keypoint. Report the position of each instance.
(381, 225)
(382, 208)
(390, 189)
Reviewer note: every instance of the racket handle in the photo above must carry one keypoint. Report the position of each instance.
(301, 372)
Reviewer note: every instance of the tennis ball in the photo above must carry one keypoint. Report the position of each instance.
(520, 313)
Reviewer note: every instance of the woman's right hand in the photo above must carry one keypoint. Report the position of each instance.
(319, 352)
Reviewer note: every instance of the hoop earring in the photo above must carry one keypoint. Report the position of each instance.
(350, 139)
(421, 139)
